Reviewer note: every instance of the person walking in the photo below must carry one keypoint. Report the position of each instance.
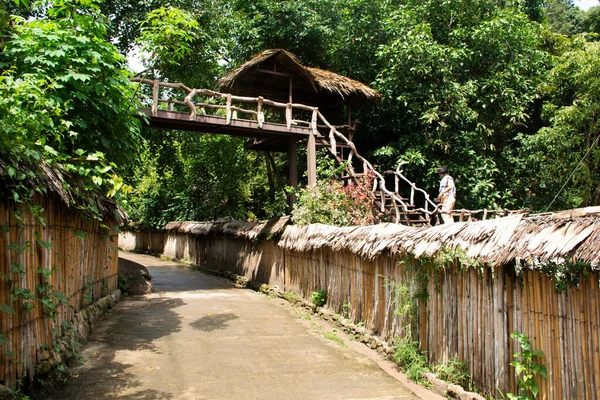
(447, 195)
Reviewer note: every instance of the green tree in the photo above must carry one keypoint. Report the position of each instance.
(192, 176)
(565, 17)
(462, 78)
(592, 20)
(566, 152)
(68, 102)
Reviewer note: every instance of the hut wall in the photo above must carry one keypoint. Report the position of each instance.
(468, 314)
(83, 261)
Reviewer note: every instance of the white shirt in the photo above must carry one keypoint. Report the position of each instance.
(445, 183)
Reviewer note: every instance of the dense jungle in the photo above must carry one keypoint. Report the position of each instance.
(506, 93)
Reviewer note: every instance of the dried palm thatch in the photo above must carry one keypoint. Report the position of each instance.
(54, 181)
(237, 229)
(573, 235)
(315, 79)
(342, 85)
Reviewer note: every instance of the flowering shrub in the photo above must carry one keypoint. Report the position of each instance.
(332, 203)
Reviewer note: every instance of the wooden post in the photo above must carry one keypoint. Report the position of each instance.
(155, 98)
(188, 101)
(292, 167)
(288, 116)
(350, 131)
(311, 151)
(260, 116)
(333, 143)
(311, 160)
(228, 109)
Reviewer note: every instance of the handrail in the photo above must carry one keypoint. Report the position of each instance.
(228, 107)
(367, 166)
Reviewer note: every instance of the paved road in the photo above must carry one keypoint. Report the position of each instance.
(197, 337)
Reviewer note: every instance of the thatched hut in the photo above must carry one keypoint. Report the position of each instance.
(58, 247)
(278, 75)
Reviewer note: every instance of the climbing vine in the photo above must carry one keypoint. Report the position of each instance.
(565, 274)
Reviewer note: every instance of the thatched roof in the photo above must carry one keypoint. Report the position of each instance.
(573, 235)
(237, 229)
(244, 81)
(53, 178)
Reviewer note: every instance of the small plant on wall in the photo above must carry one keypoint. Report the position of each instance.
(527, 369)
(319, 298)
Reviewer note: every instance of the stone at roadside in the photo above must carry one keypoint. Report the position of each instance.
(134, 278)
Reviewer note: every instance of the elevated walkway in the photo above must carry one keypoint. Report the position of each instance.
(276, 126)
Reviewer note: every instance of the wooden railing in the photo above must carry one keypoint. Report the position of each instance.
(230, 107)
(400, 207)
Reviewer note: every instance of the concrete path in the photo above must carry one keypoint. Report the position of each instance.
(197, 337)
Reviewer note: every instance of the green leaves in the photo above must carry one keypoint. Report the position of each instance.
(166, 36)
(526, 368)
(462, 77)
(69, 104)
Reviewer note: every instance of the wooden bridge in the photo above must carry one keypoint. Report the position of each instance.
(277, 126)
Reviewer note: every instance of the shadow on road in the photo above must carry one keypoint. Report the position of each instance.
(132, 329)
(215, 322)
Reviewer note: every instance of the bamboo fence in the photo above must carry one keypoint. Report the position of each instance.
(468, 313)
(83, 260)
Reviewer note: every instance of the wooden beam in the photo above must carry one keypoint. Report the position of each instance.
(292, 167)
(269, 72)
(214, 124)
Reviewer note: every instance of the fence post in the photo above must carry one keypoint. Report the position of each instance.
(332, 141)
(188, 101)
(288, 116)
(260, 116)
(292, 167)
(228, 109)
(155, 98)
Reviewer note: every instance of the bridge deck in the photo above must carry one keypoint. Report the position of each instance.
(216, 124)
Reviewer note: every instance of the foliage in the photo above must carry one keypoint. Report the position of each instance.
(302, 27)
(292, 297)
(333, 203)
(411, 360)
(527, 368)
(68, 123)
(565, 274)
(319, 298)
(565, 155)
(455, 256)
(189, 176)
(166, 36)
(592, 20)
(453, 371)
(464, 76)
(565, 17)
(68, 104)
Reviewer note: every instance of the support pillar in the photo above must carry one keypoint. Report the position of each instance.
(311, 160)
(292, 167)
